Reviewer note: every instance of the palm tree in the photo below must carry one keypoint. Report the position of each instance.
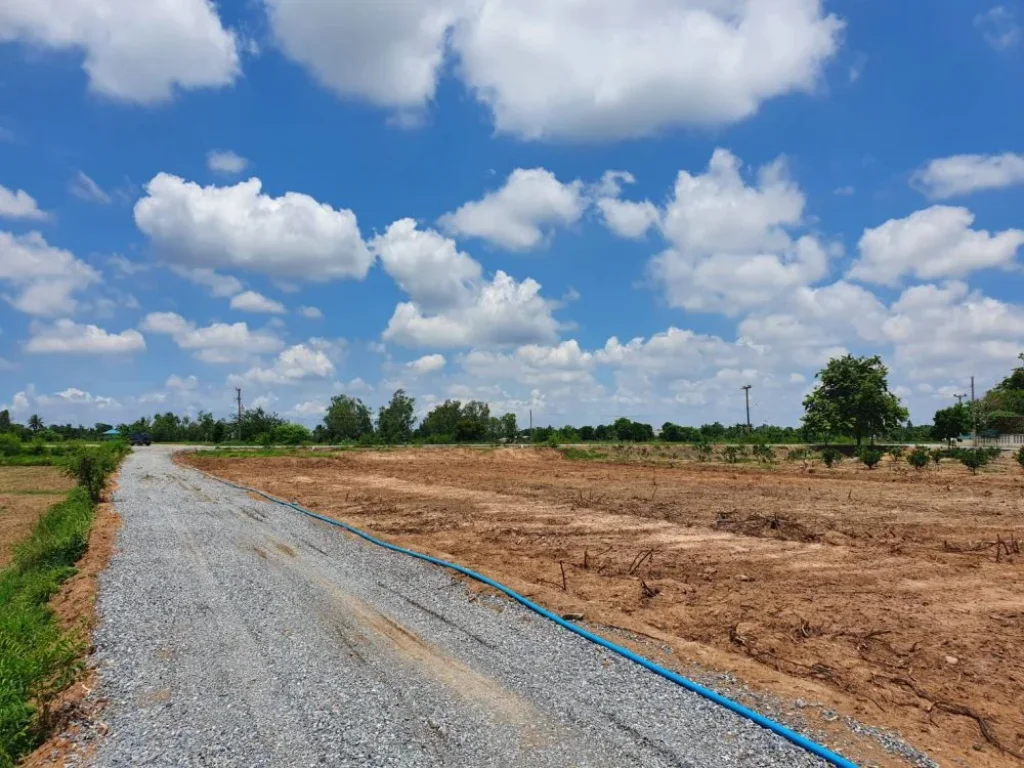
(35, 423)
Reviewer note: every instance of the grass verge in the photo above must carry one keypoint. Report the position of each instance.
(37, 660)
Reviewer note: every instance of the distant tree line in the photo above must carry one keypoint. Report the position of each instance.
(850, 403)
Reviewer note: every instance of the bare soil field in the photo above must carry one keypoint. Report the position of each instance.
(25, 494)
(895, 596)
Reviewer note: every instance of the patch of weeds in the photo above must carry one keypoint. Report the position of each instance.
(581, 454)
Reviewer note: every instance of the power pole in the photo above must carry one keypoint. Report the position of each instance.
(960, 398)
(531, 423)
(238, 398)
(974, 417)
(746, 392)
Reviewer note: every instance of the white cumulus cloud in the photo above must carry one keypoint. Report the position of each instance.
(957, 175)
(20, 205)
(933, 243)
(730, 246)
(133, 51)
(520, 214)
(627, 218)
(574, 69)
(45, 277)
(426, 364)
(296, 363)
(250, 301)
(215, 343)
(452, 304)
(68, 337)
(291, 236)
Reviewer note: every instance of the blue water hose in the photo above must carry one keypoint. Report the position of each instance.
(801, 741)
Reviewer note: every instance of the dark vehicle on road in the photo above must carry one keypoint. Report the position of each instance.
(140, 438)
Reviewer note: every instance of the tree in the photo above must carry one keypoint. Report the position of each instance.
(5, 420)
(35, 423)
(1002, 407)
(853, 398)
(347, 418)
(951, 422)
(587, 434)
(509, 428)
(395, 420)
(255, 423)
(441, 421)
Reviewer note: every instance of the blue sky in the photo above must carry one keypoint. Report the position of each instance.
(588, 209)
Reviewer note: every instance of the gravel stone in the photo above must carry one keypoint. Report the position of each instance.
(236, 632)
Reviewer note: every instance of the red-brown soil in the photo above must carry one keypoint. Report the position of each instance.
(895, 596)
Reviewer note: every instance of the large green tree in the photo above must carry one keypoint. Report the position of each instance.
(852, 398)
(951, 422)
(347, 418)
(35, 422)
(509, 428)
(395, 420)
(1002, 407)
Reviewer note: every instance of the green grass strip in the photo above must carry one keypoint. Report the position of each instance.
(37, 659)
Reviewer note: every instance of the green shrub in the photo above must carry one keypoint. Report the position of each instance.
(870, 456)
(1020, 457)
(704, 451)
(10, 445)
(764, 453)
(937, 454)
(919, 457)
(552, 442)
(973, 458)
(35, 448)
(731, 454)
(831, 456)
(896, 453)
(90, 466)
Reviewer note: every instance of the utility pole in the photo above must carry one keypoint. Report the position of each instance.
(974, 416)
(238, 398)
(746, 392)
(960, 398)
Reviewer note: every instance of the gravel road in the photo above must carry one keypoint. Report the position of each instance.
(235, 632)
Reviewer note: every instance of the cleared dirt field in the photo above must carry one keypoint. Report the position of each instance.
(25, 494)
(895, 596)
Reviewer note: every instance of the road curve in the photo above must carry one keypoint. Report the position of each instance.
(235, 632)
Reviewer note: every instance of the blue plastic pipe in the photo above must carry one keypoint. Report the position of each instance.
(801, 741)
